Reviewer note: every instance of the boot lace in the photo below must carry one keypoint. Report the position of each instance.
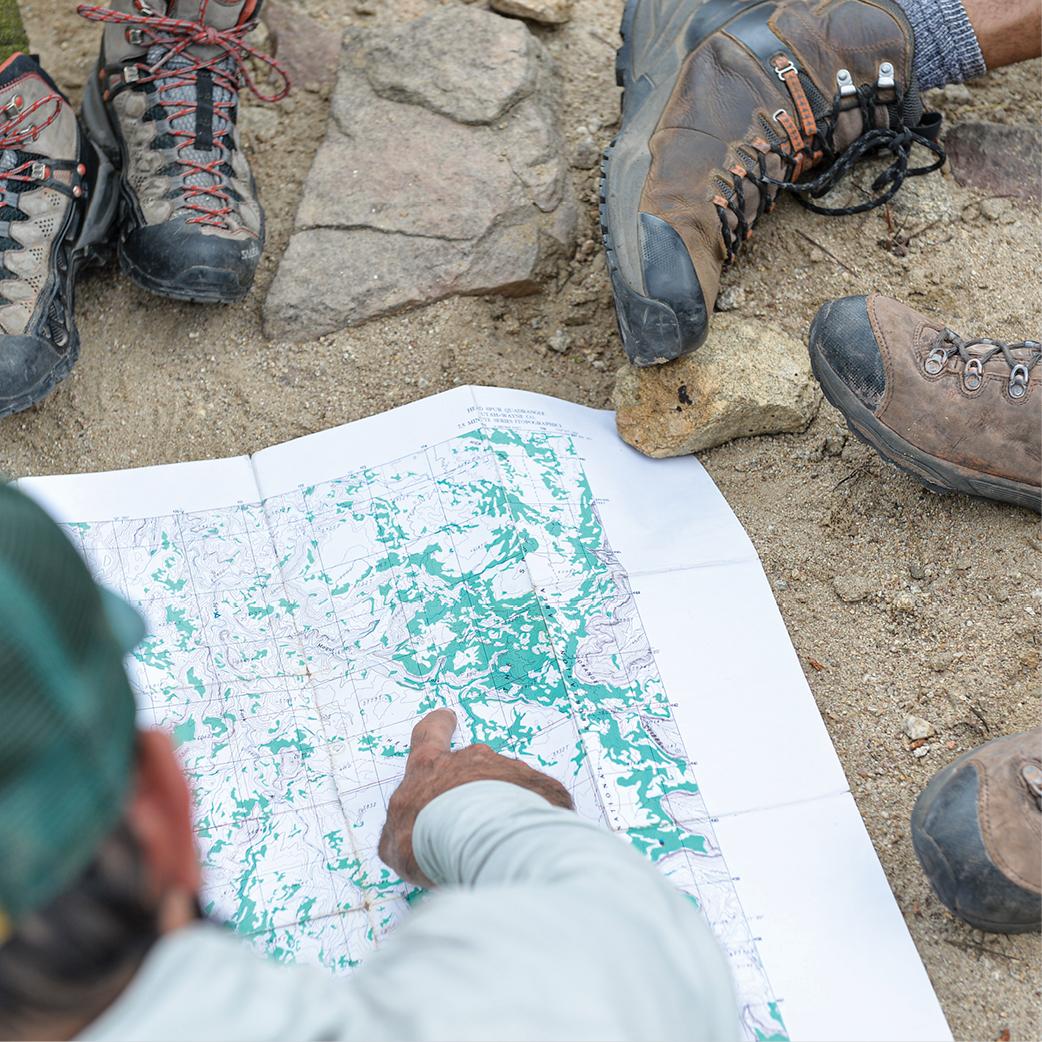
(807, 142)
(949, 344)
(176, 74)
(19, 164)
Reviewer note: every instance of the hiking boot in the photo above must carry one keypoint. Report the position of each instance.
(728, 103)
(163, 107)
(958, 415)
(977, 831)
(57, 203)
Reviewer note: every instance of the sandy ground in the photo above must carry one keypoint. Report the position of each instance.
(949, 630)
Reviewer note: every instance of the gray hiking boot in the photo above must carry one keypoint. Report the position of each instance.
(163, 107)
(57, 202)
(977, 830)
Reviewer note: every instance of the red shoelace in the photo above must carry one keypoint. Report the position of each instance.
(175, 35)
(17, 130)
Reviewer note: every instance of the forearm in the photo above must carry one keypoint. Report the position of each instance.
(535, 893)
(492, 832)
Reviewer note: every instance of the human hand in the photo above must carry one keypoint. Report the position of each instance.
(432, 768)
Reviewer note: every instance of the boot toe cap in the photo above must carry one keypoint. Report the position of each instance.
(29, 367)
(842, 337)
(949, 843)
(181, 260)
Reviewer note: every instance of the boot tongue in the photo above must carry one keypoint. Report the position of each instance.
(204, 122)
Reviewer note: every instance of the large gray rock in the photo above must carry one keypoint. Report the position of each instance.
(442, 172)
(748, 378)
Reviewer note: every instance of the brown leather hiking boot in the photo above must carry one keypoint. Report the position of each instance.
(959, 415)
(728, 103)
(977, 830)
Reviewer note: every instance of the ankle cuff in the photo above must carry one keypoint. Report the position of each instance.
(946, 46)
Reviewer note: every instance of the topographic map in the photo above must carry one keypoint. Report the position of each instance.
(294, 642)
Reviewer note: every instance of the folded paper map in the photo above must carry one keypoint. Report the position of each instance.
(603, 616)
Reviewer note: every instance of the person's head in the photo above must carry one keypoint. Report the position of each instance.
(98, 855)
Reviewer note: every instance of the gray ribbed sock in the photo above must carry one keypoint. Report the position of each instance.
(946, 47)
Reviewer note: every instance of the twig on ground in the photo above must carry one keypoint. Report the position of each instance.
(828, 253)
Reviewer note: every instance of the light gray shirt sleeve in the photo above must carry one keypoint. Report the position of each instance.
(544, 926)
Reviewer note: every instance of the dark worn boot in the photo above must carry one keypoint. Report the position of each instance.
(958, 415)
(163, 106)
(57, 202)
(727, 103)
(977, 830)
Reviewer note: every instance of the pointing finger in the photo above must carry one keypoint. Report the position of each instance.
(432, 735)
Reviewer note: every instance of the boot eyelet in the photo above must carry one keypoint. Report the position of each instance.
(135, 36)
(973, 377)
(936, 361)
(1018, 381)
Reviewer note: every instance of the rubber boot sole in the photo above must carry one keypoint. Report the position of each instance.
(937, 475)
(100, 130)
(86, 242)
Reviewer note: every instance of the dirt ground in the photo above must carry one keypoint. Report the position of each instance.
(949, 627)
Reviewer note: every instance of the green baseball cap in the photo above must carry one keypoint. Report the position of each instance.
(66, 709)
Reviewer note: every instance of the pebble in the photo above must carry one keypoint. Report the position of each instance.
(957, 94)
(941, 661)
(731, 299)
(994, 209)
(916, 570)
(587, 154)
(917, 728)
(851, 588)
(835, 442)
(904, 601)
(921, 751)
(559, 342)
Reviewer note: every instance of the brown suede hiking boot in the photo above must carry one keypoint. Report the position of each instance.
(963, 416)
(728, 103)
(977, 831)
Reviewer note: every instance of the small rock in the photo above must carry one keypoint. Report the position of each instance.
(731, 299)
(835, 442)
(916, 570)
(258, 123)
(997, 158)
(851, 588)
(587, 154)
(994, 209)
(940, 661)
(546, 12)
(747, 379)
(957, 94)
(559, 342)
(922, 751)
(306, 47)
(904, 601)
(917, 728)
(817, 255)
